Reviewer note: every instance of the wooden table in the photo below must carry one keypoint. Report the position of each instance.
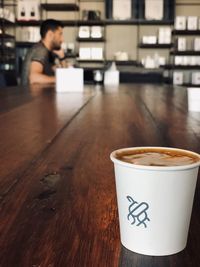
(57, 188)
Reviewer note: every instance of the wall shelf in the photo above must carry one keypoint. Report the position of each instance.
(28, 22)
(186, 32)
(93, 40)
(90, 60)
(60, 7)
(155, 22)
(185, 53)
(138, 22)
(25, 44)
(6, 36)
(160, 46)
(190, 85)
(6, 22)
(91, 22)
(180, 67)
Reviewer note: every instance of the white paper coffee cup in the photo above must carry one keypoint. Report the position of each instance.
(154, 204)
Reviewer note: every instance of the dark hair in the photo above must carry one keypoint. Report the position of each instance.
(49, 25)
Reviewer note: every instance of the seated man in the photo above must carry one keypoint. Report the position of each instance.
(40, 61)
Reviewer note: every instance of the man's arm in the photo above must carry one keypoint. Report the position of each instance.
(36, 74)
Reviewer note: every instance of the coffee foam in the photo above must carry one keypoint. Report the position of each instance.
(155, 157)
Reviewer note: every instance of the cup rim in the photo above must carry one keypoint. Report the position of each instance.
(155, 168)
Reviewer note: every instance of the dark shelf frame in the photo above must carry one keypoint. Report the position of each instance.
(159, 46)
(155, 22)
(28, 22)
(6, 36)
(60, 7)
(6, 22)
(186, 32)
(184, 67)
(190, 85)
(91, 22)
(91, 40)
(185, 53)
(90, 61)
(138, 22)
(24, 44)
(123, 62)
(5, 49)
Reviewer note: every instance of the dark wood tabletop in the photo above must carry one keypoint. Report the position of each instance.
(57, 190)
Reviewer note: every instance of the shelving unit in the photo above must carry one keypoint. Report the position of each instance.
(60, 7)
(152, 46)
(119, 35)
(7, 42)
(90, 40)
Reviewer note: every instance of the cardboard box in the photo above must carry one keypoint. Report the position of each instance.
(122, 9)
(181, 44)
(154, 9)
(84, 53)
(196, 78)
(192, 23)
(28, 10)
(177, 78)
(193, 99)
(164, 35)
(180, 23)
(69, 80)
(96, 32)
(84, 32)
(178, 60)
(97, 53)
(152, 39)
(111, 77)
(197, 44)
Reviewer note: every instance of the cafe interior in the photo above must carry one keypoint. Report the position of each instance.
(132, 80)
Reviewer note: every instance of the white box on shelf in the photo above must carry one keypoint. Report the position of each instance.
(197, 44)
(111, 77)
(198, 60)
(84, 32)
(181, 44)
(180, 23)
(193, 60)
(192, 23)
(162, 61)
(193, 99)
(96, 32)
(97, 53)
(154, 10)
(178, 60)
(186, 60)
(177, 77)
(151, 39)
(122, 9)
(85, 53)
(164, 35)
(28, 10)
(196, 78)
(69, 80)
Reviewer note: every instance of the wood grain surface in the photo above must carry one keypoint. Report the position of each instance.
(57, 190)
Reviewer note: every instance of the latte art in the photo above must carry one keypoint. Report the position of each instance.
(157, 158)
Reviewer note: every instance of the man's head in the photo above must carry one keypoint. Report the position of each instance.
(51, 31)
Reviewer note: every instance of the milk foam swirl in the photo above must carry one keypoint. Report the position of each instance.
(153, 158)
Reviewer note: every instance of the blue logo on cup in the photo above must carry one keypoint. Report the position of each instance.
(137, 212)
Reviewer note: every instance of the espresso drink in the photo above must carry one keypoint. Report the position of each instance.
(157, 157)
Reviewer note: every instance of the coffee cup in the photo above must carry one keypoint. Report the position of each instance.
(155, 189)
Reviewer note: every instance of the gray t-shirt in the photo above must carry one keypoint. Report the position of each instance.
(40, 54)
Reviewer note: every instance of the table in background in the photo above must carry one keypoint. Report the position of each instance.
(57, 188)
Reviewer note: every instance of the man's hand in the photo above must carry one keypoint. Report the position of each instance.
(60, 53)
